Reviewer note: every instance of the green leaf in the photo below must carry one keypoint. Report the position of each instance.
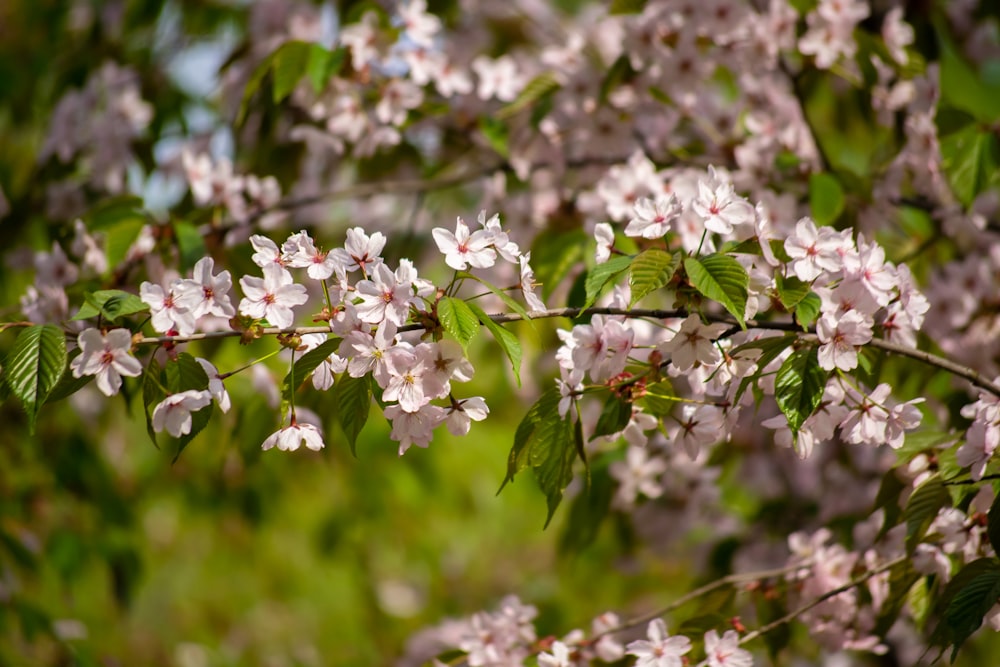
(290, 62)
(190, 244)
(305, 365)
(109, 304)
(826, 198)
(68, 385)
(720, 278)
(807, 310)
(921, 508)
(499, 293)
(540, 86)
(799, 385)
(553, 256)
(505, 339)
(34, 367)
(323, 64)
(353, 398)
(587, 511)
(970, 159)
(497, 134)
(966, 611)
(651, 270)
(626, 7)
(791, 290)
(902, 577)
(458, 319)
(770, 349)
(185, 374)
(614, 417)
(120, 236)
(602, 274)
(659, 399)
(153, 382)
(199, 420)
(964, 88)
(552, 454)
(545, 408)
(887, 499)
(253, 85)
(993, 525)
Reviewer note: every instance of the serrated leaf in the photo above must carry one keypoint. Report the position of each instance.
(826, 198)
(109, 304)
(34, 367)
(353, 399)
(799, 385)
(290, 62)
(602, 274)
(614, 417)
(68, 385)
(505, 339)
(545, 408)
(921, 508)
(499, 293)
(199, 420)
(552, 454)
(970, 604)
(650, 270)
(185, 374)
(458, 319)
(791, 290)
(658, 400)
(887, 499)
(807, 310)
(540, 86)
(902, 577)
(771, 348)
(305, 365)
(943, 634)
(720, 278)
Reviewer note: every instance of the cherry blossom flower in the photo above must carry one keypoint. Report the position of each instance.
(293, 436)
(106, 356)
(638, 474)
(205, 294)
(528, 284)
(866, 422)
(299, 251)
(462, 413)
(414, 428)
(813, 251)
(898, 34)
(367, 352)
(719, 207)
(652, 219)
(168, 309)
(266, 252)
(272, 297)
(216, 387)
(693, 344)
(174, 412)
(605, 237)
(383, 298)
(360, 251)
(726, 651)
(661, 650)
(570, 387)
(497, 78)
(841, 337)
(559, 657)
(464, 247)
(419, 26)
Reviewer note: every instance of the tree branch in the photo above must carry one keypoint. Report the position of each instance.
(927, 358)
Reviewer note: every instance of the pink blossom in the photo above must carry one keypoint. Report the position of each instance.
(360, 251)
(462, 413)
(661, 650)
(653, 219)
(174, 412)
(813, 251)
(107, 357)
(299, 251)
(464, 247)
(605, 237)
(693, 344)
(638, 474)
(272, 297)
(383, 298)
(205, 294)
(726, 652)
(719, 207)
(841, 337)
(866, 422)
(414, 428)
(168, 309)
(290, 438)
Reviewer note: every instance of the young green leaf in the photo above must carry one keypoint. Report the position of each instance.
(614, 417)
(109, 304)
(650, 270)
(542, 85)
(34, 367)
(499, 293)
(720, 278)
(602, 274)
(458, 319)
(969, 605)
(184, 374)
(505, 339)
(923, 505)
(306, 364)
(290, 63)
(826, 198)
(791, 290)
(807, 310)
(353, 398)
(799, 385)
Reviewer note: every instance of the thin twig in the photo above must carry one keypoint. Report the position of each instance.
(792, 615)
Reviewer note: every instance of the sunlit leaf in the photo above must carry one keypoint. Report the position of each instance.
(720, 278)
(34, 367)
